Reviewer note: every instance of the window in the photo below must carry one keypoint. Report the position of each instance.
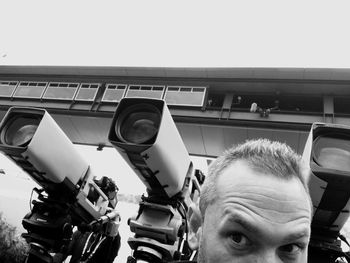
(215, 100)
(341, 105)
(301, 103)
(61, 90)
(87, 92)
(185, 96)
(114, 92)
(30, 89)
(145, 91)
(7, 88)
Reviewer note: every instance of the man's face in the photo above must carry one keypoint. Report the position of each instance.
(257, 218)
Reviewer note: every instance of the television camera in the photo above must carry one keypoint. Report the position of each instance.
(69, 196)
(144, 133)
(327, 153)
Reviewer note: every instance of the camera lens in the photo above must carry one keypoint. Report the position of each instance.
(139, 124)
(19, 131)
(332, 153)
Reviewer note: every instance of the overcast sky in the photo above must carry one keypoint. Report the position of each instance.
(181, 33)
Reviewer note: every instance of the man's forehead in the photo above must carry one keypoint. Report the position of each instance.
(265, 191)
(240, 173)
(265, 207)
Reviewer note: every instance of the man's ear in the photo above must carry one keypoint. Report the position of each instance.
(195, 226)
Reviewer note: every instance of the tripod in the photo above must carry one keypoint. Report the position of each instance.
(49, 228)
(161, 225)
(327, 249)
(159, 233)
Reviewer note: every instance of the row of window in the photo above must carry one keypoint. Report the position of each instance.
(49, 90)
(279, 103)
(173, 95)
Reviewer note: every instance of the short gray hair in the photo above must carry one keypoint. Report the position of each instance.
(262, 155)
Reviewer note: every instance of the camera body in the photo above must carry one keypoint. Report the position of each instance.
(50, 158)
(144, 133)
(327, 153)
(69, 195)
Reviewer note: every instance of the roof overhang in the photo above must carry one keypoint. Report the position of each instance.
(304, 74)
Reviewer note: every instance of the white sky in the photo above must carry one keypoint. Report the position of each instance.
(182, 33)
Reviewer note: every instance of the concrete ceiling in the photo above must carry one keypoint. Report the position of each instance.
(200, 139)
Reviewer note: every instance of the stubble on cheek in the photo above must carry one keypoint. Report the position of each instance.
(209, 251)
(201, 253)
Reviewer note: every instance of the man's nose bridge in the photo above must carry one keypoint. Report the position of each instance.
(268, 256)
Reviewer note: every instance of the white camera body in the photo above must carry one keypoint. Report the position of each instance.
(52, 153)
(166, 157)
(327, 153)
(51, 159)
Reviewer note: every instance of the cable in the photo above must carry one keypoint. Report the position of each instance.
(30, 200)
(343, 238)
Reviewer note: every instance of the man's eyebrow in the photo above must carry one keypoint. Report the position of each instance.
(305, 233)
(232, 217)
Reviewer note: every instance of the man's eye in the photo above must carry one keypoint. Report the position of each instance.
(239, 240)
(291, 248)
